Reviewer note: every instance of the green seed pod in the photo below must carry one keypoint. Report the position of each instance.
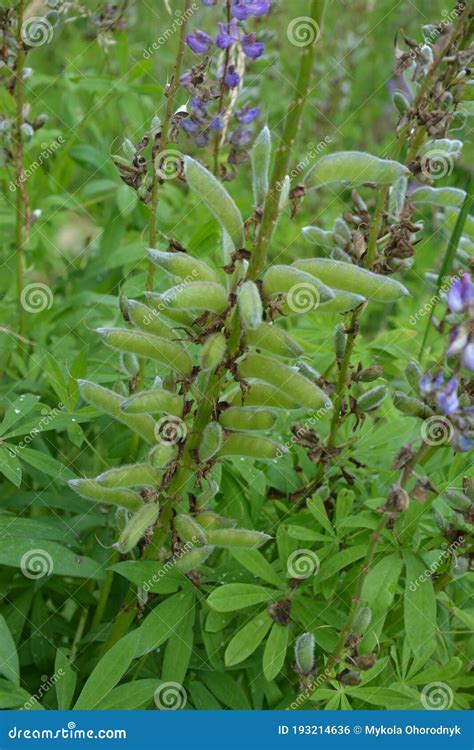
(161, 307)
(92, 490)
(273, 339)
(413, 374)
(285, 378)
(135, 475)
(247, 418)
(236, 538)
(354, 168)
(351, 278)
(366, 661)
(319, 237)
(304, 653)
(152, 402)
(209, 520)
(183, 266)
(308, 371)
(340, 341)
(349, 677)
(398, 194)
(193, 559)
(213, 351)
(200, 296)
(295, 283)
(250, 305)
(343, 302)
(260, 156)
(129, 364)
(122, 517)
(372, 399)
(362, 621)
(339, 254)
(342, 233)
(457, 500)
(189, 530)
(261, 394)
(369, 374)
(136, 528)
(249, 446)
(211, 441)
(146, 345)
(411, 406)
(400, 102)
(161, 455)
(109, 402)
(459, 566)
(146, 319)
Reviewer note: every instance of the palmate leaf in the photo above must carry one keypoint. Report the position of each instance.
(248, 639)
(44, 557)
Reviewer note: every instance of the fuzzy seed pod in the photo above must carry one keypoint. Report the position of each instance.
(193, 559)
(289, 280)
(362, 621)
(109, 402)
(146, 345)
(236, 538)
(135, 475)
(372, 399)
(209, 520)
(459, 566)
(398, 194)
(213, 351)
(342, 233)
(273, 339)
(200, 296)
(161, 306)
(156, 401)
(211, 441)
(413, 407)
(189, 530)
(308, 371)
(319, 237)
(249, 446)
(146, 319)
(250, 305)
(161, 455)
(183, 266)
(304, 653)
(260, 156)
(349, 677)
(369, 374)
(285, 378)
(351, 278)
(247, 418)
(137, 527)
(458, 500)
(92, 490)
(413, 374)
(365, 661)
(340, 340)
(129, 364)
(261, 394)
(400, 102)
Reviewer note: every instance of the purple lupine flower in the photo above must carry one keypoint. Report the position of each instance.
(429, 384)
(199, 42)
(199, 108)
(209, 3)
(240, 10)
(252, 49)
(231, 77)
(467, 358)
(458, 340)
(461, 294)
(447, 399)
(258, 7)
(241, 137)
(247, 114)
(462, 442)
(228, 34)
(189, 125)
(217, 124)
(202, 139)
(186, 78)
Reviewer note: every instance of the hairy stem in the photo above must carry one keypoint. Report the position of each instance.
(21, 196)
(217, 137)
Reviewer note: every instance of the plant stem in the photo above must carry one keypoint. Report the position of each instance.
(292, 124)
(217, 137)
(21, 197)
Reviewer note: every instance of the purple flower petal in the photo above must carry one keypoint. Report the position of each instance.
(461, 294)
(252, 49)
(241, 137)
(258, 7)
(199, 42)
(189, 125)
(458, 339)
(228, 34)
(247, 114)
(448, 400)
(467, 358)
(217, 124)
(231, 78)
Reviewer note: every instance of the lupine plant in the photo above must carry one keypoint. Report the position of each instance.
(262, 490)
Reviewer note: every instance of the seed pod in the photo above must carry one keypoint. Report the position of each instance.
(183, 266)
(161, 455)
(354, 168)
(289, 280)
(369, 374)
(459, 566)
(211, 441)
(135, 475)
(284, 193)
(308, 371)
(339, 254)
(122, 517)
(340, 341)
(193, 559)
(152, 402)
(372, 399)
(137, 527)
(146, 319)
(261, 394)
(274, 340)
(398, 194)
(413, 374)
(129, 364)
(189, 530)
(351, 278)
(247, 418)
(458, 500)
(285, 378)
(349, 677)
(444, 196)
(343, 302)
(217, 199)
(213, 351)
(249, 446)
(209, 520)
(237, 538)
(400, 102)
(342, 233)
(200, 296)
(260, 156)
(366, 661)
(92, 490)
(413, 407)
(319, 237)
(250, 305)
(362, 621)
(304, 653)
(161, 307)
(109, 402)
(146, 345)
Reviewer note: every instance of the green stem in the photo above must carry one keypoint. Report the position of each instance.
(21, 198)
(218, 136)
(292, 124)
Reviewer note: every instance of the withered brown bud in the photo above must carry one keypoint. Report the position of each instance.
(349, 677)
(398, 499)
(365, 661)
